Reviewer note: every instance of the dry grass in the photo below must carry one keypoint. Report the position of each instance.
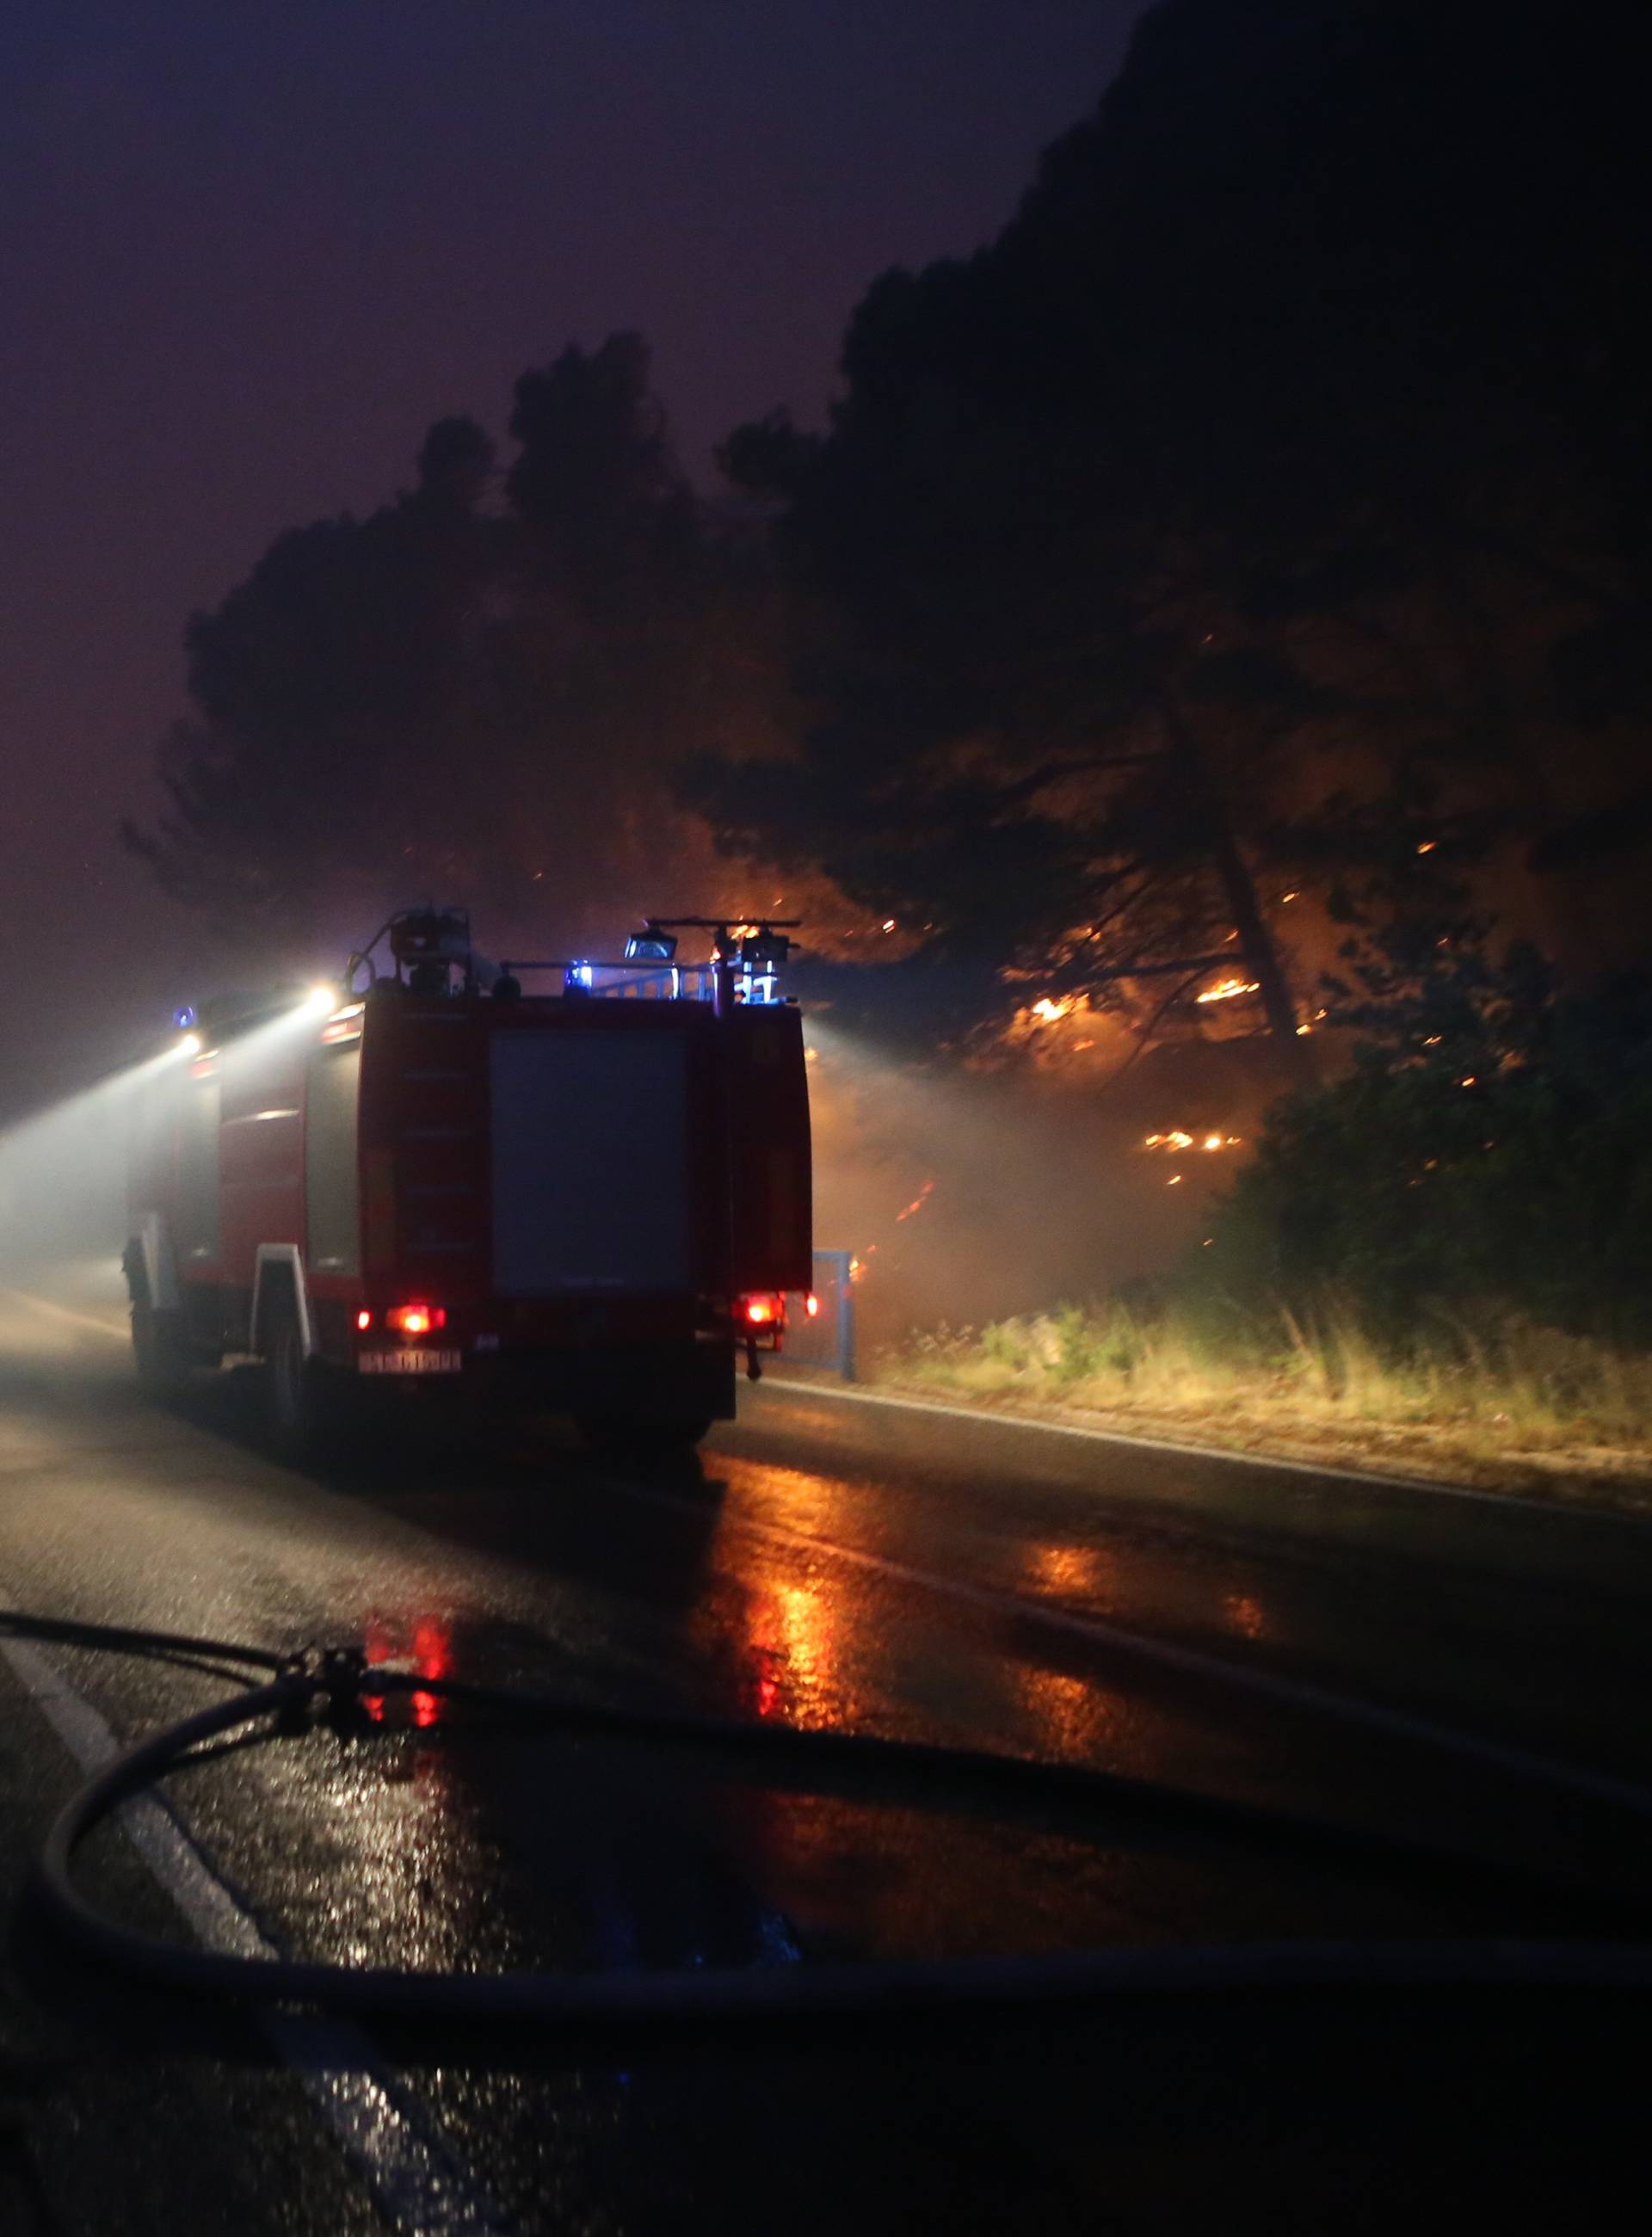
(1505, 1406)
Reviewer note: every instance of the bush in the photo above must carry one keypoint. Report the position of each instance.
(1508, 1387)
(1488, 1156)
(1077, 1345)
(1006, 1343)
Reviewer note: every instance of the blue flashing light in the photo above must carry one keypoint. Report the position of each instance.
(579, 976)
(184, 1016)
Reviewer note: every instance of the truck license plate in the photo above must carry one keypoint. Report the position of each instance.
(410, 1362)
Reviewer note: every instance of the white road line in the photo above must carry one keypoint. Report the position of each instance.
(416, 2181)
(980, 1414)
(1299, 1693)
(115, 1328)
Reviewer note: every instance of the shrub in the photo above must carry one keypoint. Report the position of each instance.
(1490, 1154)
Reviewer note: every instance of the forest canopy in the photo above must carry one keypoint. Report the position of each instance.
(1246, 549)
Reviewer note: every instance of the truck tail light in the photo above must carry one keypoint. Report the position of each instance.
(764, 1309)
(364, 1320)
(416, 1319)
(811, 1305)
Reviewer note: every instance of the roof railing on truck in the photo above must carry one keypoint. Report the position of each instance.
(671, 982)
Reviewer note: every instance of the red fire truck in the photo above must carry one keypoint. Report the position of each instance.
(594, 1198)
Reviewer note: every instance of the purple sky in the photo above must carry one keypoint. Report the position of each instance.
(249, 248)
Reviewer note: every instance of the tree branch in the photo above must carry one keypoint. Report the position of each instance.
(1028, 787)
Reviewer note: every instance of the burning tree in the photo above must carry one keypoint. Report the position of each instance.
(1489, 1152)
(1232, 530)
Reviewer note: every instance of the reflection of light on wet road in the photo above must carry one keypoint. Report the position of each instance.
(790, 1635)
(789, 1623)
(1246, 1616)
(389, 1863)
(1068, 1715)
(1085, 1571)
(827, 1506)
(432, 1659)
(427, 1643)
(377, 1647)
(1036, 1666)
(818, 1646)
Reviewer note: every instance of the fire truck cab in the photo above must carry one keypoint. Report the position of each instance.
(593, 1200)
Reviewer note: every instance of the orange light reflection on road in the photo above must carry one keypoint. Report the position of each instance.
(791, 1638)
(1069, 1716)
(785, 1617)
(1060, 1568)
(1246, 1616)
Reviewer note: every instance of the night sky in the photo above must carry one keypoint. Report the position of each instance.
(248, 251)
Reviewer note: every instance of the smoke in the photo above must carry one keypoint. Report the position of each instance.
(966, 1196)
(63, 1172)
(63, 1190)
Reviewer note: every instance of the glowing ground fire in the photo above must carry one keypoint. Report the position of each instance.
(1178, 1137)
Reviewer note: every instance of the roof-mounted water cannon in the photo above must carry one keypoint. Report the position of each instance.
(761, 954)
(755, 954)
(426, 943)
(653, 944)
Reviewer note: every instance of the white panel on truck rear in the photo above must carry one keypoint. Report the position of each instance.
(590, 1168)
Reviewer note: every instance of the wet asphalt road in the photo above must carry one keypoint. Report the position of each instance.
(1471, 1674)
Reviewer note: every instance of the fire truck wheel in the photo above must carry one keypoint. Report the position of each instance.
(298, 1411)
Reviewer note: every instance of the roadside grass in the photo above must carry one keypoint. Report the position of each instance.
(1501, 1403)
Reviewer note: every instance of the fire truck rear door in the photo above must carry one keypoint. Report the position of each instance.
(591, 1162)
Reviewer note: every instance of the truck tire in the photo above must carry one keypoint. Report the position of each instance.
(301, 1404)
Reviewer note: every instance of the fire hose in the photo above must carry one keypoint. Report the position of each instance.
(292, 1693)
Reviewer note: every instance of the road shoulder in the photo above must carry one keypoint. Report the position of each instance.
(1416, 1457)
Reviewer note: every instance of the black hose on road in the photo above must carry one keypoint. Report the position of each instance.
(122, 1638)
(340, 1680)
